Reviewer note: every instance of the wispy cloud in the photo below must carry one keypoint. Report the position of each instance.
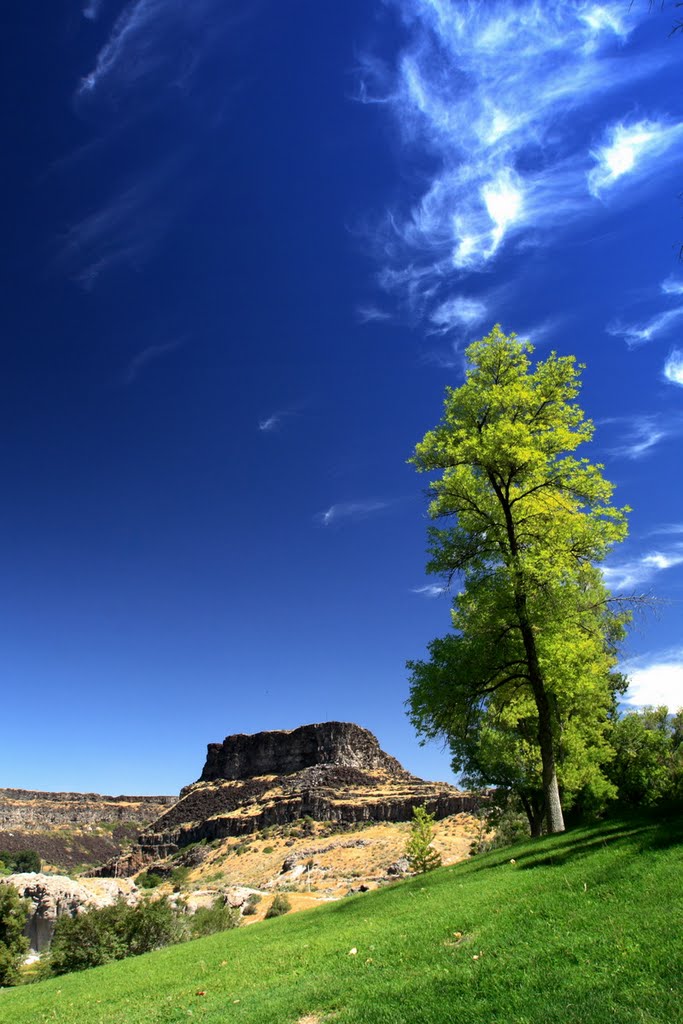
(271, 423)
(631, 149)
(153, 40)
(148, 355)
(123, 231)
(640, 334)
(626, 576)
(479, 90)
(672, 286)
(430, 590)
(655, 679)
(92, 9)
(667, 529)
(642, 434)
(350, 510)
(458, 311)
(371, 314)
(673, 367)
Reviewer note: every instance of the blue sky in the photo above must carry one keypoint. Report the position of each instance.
(245, 246)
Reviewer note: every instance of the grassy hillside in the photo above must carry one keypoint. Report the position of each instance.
(583, 928)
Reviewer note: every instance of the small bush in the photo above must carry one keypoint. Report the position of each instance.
(252, 901)
(148, 880)
(179, 878)
(22, 860)
(217, 918)
(268, 849)
(280, 905)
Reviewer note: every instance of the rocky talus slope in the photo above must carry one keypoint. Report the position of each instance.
(332, 772)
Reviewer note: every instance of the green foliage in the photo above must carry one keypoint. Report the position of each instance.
(251, 903)
(112, 933)
(22, 860)
(179, 877)
(648, 764)
(419, 851)
(280, 905)
(13, 942)
(149, 880)
(521, 688)
(218, 918)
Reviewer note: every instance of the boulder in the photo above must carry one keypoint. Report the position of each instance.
(399, 867)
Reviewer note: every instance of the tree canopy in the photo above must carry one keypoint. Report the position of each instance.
(522, 687)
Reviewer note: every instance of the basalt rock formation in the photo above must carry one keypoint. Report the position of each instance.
(29, 809)
(284, 752)
(332, 772)
(73, 829)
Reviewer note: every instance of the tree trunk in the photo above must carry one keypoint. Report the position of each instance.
(551, 791)
(534, 818)
(553, 808)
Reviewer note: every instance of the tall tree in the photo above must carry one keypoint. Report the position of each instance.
(526, 524)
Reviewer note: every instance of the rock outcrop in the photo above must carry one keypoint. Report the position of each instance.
(52, 896)
(331, 772)
(284, 752)
(28, 809)
(70, 830)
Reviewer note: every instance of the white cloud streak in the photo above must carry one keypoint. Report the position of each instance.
(458, 311)
(628, 575)
(640, 334)
(124, 231)
(631, 149)
(153, 41)
(480, 90)
(672, 286)
(350, 510)
(371, 314)
(148, 355)
(642, 435)
(655, 679)
(430, 590)
(673, 367)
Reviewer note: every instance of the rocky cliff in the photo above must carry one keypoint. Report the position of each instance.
(333, 772)
(30, 809)
(69, 830)
(284, 752)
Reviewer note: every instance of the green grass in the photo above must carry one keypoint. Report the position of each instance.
(583, 929)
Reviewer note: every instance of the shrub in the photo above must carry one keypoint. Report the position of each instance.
(280, 905)
(89, 940)
(13, 942)
(419, 849)
(179, 878)
(250, 906)
(148, 880)
(23, 860)
(112, 933)
(217, 918)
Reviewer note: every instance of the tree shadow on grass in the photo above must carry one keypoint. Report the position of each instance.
(642, 835)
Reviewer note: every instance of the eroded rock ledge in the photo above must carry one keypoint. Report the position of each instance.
(330, 771)
(32, 809)
(282, 752)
